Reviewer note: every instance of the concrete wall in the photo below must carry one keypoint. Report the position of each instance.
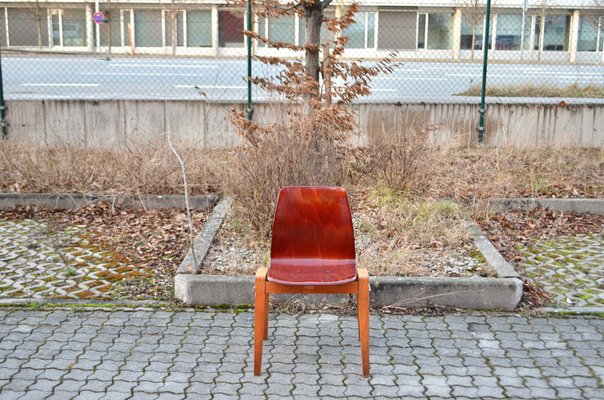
(109, 123)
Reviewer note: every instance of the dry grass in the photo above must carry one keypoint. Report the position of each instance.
(409, 203)
(468, 175)
(133, 168)
(416, 225)
(399, 235)
(395, 235)
(531, 90)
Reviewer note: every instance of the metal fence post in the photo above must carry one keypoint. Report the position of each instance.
(2, 103)
(249, 61)
(485, 57)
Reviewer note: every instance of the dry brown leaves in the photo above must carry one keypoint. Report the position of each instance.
(509, 229)
(152, 241)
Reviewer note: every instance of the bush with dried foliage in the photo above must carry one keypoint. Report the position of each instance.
(400, 160)
(291, 157)
(307, 146)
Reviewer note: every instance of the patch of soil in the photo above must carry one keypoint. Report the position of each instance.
(150, 242)
(385, 244)
(516, 228)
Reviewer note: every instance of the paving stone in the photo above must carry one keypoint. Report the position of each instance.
(11, 394)
(123, 396)
(197, 389)
(34, 395)
(547, 393)
(568, 267)
(411, 389)
(438, 391)
(394, 369)
(60, 394)
(569, 393)
(519, 393)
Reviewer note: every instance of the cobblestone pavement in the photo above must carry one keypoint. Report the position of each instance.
(571, 268)
(38, 261)
(142, 354)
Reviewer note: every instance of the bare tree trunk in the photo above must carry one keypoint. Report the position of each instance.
(313, 18)
(473, 41)
(173, 17)
(37, 16)
(109, 13)
(541, 28)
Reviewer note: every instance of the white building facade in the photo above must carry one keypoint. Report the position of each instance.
(565, 31)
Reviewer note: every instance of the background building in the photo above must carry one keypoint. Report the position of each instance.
(545, 30)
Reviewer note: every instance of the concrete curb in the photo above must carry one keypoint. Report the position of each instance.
(588, 206)
(470, 293)
(75, 200)
(205, 238)
(503, 292)
(490, 253)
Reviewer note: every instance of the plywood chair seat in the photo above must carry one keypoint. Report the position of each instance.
(312, 251)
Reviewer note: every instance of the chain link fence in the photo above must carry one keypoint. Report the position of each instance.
(184, 50)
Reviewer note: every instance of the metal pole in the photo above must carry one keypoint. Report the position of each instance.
(97, 27)
(524, 8)
(249, 61)
(2, 104)
(485, 56)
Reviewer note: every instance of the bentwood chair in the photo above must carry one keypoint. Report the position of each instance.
(312, 252)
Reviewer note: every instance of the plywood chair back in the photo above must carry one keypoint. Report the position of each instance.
(312, 251)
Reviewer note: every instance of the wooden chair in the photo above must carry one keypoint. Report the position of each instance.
(312, 251)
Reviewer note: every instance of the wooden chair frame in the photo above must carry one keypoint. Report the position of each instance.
(264, 288)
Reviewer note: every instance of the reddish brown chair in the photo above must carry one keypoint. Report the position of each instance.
(312, 251)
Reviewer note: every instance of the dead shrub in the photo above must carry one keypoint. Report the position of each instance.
(400, 159)
(283, 157)
(130, 169)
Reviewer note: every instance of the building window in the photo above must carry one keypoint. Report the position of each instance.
(109, 32)
(591, 31)
(56, 28)
(433, 31)
(3, 27)
(556, 29)
(174, 27)
(472, 30)
(361, 33)
(230, 28)
(147, 28)
(68, 27)
(511, 33)
(439, 31)
(199, 28)
(281, 29)
(74, 27)
(397, 30)
(27, 26)
(422, 32)
(326, 34)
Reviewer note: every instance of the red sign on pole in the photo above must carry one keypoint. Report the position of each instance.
(98, 17)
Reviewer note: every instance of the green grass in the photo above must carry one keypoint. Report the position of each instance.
(530, 90)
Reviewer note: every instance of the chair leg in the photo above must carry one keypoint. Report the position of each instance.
(363, 312)
(260, 318)
(266, 296)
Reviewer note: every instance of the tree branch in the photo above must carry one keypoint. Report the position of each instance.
(325, 4)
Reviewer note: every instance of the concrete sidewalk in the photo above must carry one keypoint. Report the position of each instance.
(148, 354)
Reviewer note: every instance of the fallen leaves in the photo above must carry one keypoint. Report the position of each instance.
(515, 228)
(151, 242)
